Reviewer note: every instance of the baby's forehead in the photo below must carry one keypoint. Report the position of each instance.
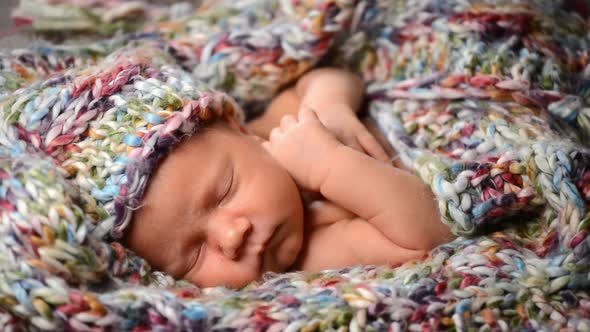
(202, 154)
(210, 144)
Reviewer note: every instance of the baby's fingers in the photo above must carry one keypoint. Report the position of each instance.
(275, 134)
(371, 146)
(307, 114)
(352, 142)
(288, 121)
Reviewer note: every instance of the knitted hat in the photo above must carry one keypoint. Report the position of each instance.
(109, 127)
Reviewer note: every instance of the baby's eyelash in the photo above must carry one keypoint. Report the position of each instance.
(196, 261)
(230, 186)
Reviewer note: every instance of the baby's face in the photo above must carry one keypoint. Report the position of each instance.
(219, 210)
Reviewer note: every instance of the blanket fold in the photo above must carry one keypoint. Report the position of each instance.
(485, 100)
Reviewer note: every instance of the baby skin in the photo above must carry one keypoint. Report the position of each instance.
(316, 192)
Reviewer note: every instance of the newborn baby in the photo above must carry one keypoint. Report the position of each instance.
(315, 192)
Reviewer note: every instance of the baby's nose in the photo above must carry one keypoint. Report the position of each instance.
(233, 236)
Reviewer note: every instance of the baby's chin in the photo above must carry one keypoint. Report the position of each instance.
(276, 258)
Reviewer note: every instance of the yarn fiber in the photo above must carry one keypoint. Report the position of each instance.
(94, 17)
(485, 100)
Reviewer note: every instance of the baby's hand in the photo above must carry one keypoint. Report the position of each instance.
(341, 120)
(303, 146)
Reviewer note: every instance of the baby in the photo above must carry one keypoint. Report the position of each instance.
(316, 192)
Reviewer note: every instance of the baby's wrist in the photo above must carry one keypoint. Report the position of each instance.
(325, 164)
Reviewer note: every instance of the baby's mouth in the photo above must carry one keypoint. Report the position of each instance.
(262, 247)
(264, 251)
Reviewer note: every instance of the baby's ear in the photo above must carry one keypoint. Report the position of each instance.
(235, 125)
(244, 130)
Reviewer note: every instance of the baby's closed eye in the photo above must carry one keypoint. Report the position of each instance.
(229, 188)
(216, 192)
(194, 258)
(226, 189)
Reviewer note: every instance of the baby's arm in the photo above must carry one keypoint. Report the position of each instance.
(343, 88)
(394, 201)
(329, 89)
(336, 96)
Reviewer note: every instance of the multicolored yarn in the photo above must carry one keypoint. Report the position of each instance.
(109, 128)
(102, 17)
(249, 49)
(497, 134)
(22, 67)
(496, 87)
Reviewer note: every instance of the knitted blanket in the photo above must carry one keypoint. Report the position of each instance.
(485, 100)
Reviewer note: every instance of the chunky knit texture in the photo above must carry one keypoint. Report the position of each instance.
(486, 101)
(99, 17)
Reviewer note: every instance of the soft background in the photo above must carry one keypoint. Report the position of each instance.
(5, 6)
(24, 39)
(11, 41)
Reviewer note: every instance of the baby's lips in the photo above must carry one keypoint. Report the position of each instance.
(259, 248)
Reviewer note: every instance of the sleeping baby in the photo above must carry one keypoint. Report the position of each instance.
(304, 187)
